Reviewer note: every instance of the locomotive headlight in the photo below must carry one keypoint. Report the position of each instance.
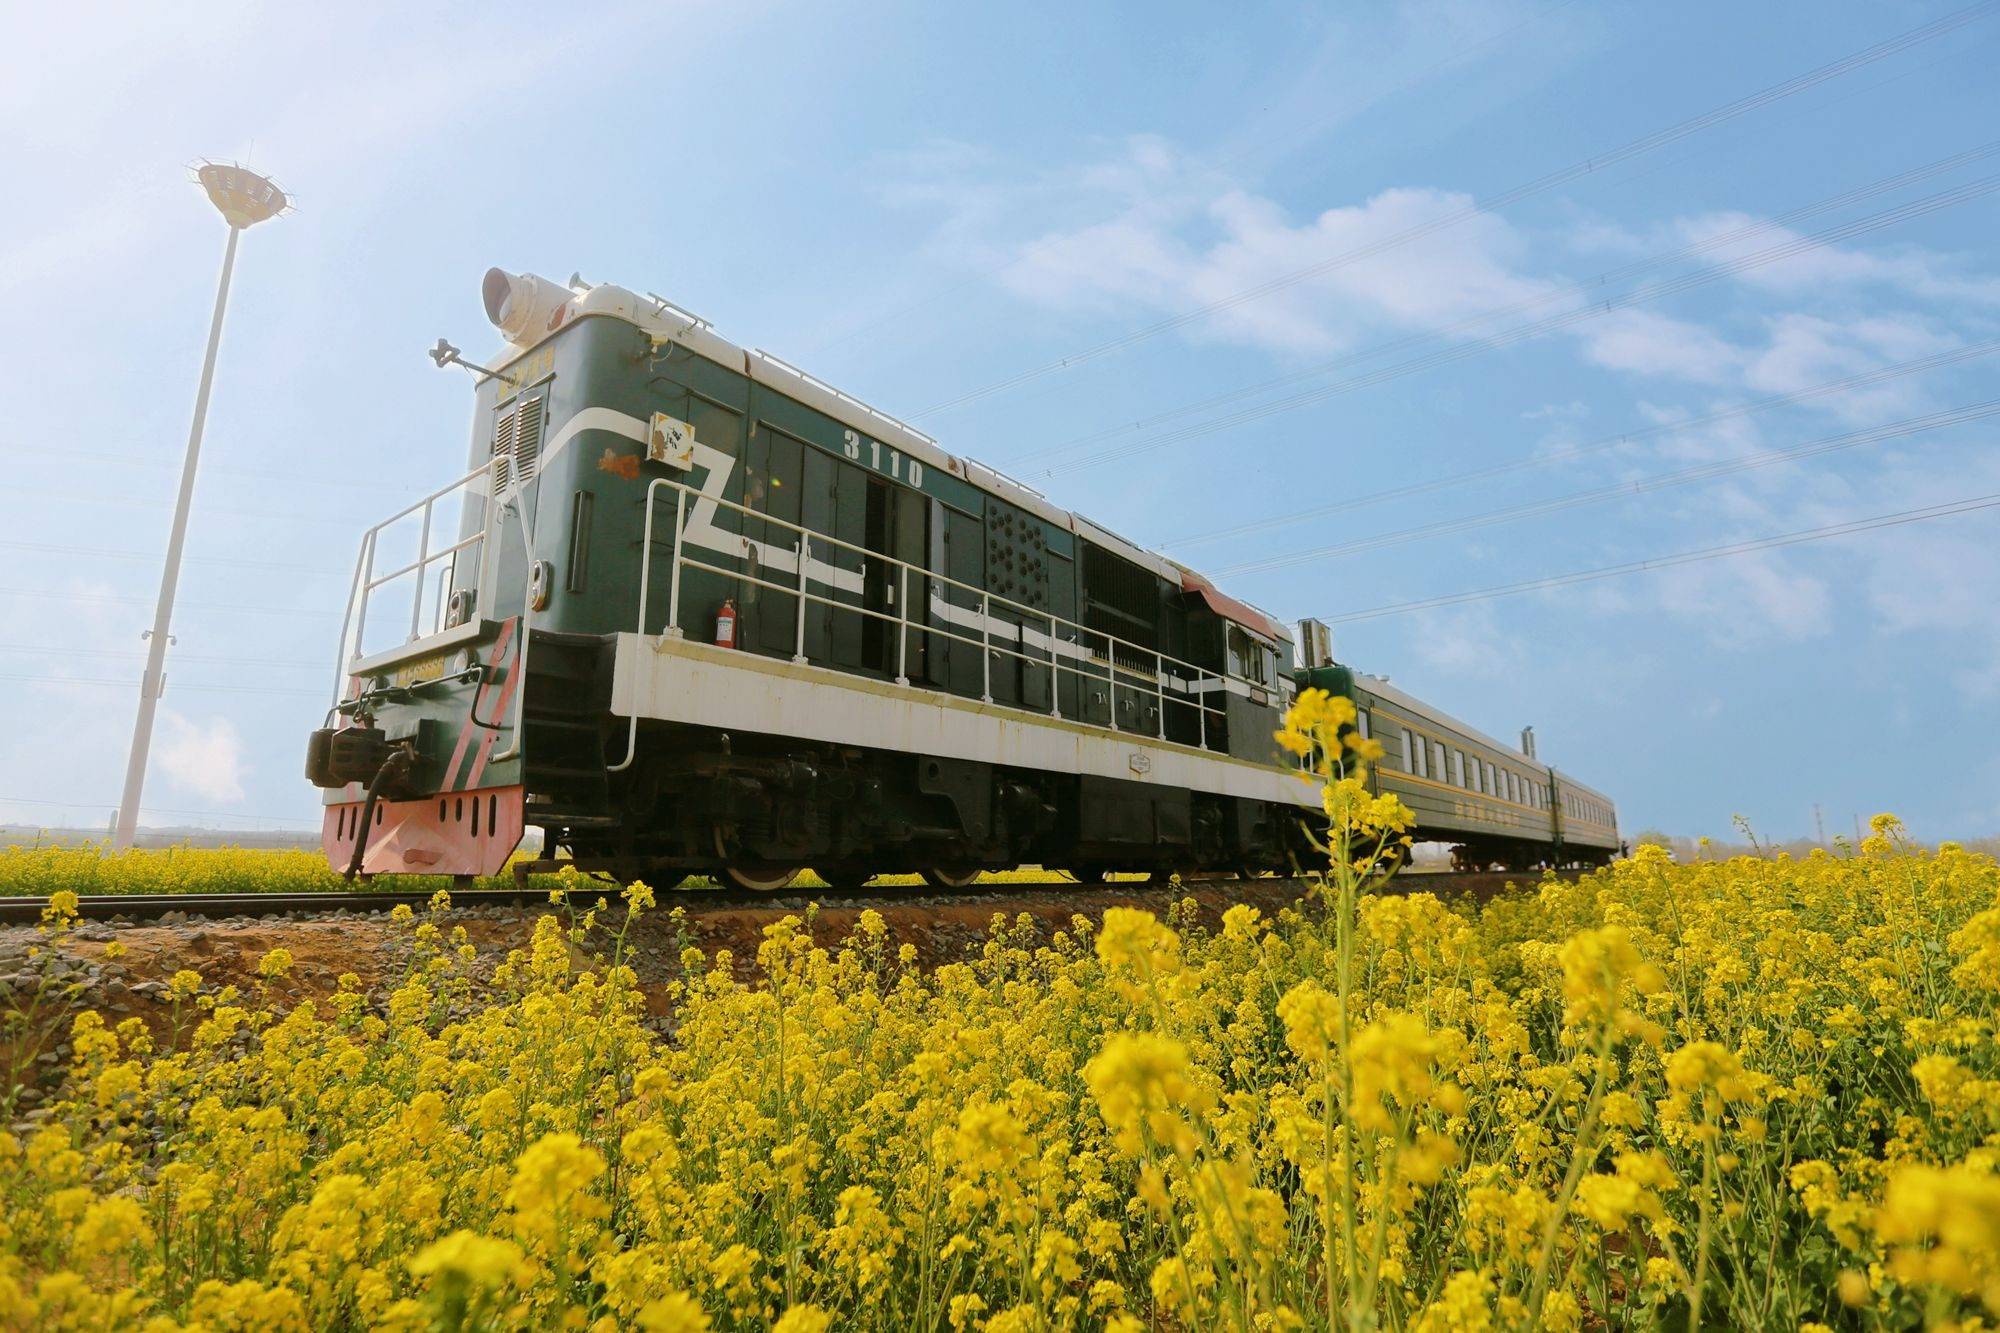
(522, 306)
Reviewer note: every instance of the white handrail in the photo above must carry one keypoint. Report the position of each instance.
(520, 667)
(354, 621)
(1192, 682)
(1098, 651)
(1111, 640)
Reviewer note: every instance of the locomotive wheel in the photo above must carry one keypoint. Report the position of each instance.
(759, 878)
(753, 876)
(948, 879)
(845, 878)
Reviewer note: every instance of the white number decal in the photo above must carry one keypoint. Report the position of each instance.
(851, 442)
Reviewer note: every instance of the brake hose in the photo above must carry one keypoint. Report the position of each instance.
(397, 764)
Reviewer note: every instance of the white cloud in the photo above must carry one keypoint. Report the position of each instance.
(1804, 350)
(1938, 578)
(1817, 268)
(1165, 235)
(1646, 342)
(204, 757)
(1746, 598)
(1468, 641)
(1462, 268)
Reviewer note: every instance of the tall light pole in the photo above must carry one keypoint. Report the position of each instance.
(244, 199)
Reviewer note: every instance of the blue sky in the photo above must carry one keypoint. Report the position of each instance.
(933, 207)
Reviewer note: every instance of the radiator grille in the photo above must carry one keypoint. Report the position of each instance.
(503, 450)
(517, 444)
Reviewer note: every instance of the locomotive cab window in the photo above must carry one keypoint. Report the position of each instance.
(1248, 657)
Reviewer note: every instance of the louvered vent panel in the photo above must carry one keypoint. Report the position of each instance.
(503, 450)
(527, 440)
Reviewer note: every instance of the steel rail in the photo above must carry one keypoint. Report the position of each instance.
(136, 907)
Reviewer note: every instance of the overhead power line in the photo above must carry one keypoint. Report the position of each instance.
(111, 554)
(107, 654)
(134, 502)
(1896, 430)
(66, 454)
(1348, 504)
(156, 810)
(1588, 287)
(1898, 519)
(177, 685)
(1575, 171)
(49, 595)
(1554, 323)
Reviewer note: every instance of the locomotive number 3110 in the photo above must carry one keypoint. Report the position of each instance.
(901, 468)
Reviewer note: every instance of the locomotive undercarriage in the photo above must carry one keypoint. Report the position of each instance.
(755, 809)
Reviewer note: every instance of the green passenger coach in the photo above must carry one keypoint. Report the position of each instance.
(1497, 805)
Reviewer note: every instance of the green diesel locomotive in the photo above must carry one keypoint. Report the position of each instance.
(692, 611)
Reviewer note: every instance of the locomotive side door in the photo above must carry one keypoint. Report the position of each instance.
(958, 551)
(906, 523)
(772, 484)
(836, 504)
(894, 523)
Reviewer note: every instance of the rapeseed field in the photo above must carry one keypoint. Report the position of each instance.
(1752, 1093)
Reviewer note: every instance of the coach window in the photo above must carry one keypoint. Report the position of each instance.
(1361, 722)
(1409, 754)
(1458, 768)
(1437, 754)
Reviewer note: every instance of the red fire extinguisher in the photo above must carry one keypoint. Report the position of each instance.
(725, 624)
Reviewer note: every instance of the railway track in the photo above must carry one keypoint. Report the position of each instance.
(213, 906)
